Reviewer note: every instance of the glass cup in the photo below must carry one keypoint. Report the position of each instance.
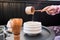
(2, 33)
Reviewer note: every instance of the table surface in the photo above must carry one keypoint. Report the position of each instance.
(46, 34)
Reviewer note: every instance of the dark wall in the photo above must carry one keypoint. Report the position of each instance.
(17, 9)
(10, 10)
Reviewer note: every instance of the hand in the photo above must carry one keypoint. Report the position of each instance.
(51, 10)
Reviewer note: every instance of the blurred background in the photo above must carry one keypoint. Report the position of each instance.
(16, 9)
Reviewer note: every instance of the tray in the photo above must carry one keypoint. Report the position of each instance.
(46, 34)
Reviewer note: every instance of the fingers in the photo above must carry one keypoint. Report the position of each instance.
(51, 10)
(44, 9)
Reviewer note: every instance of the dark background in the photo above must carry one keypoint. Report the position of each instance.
(16, 9)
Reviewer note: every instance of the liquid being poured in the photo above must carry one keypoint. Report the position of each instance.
(33, 18)
(32, 11)
(33, 14)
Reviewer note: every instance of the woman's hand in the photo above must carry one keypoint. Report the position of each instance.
(51, 10)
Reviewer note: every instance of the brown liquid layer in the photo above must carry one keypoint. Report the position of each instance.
(32, 9)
